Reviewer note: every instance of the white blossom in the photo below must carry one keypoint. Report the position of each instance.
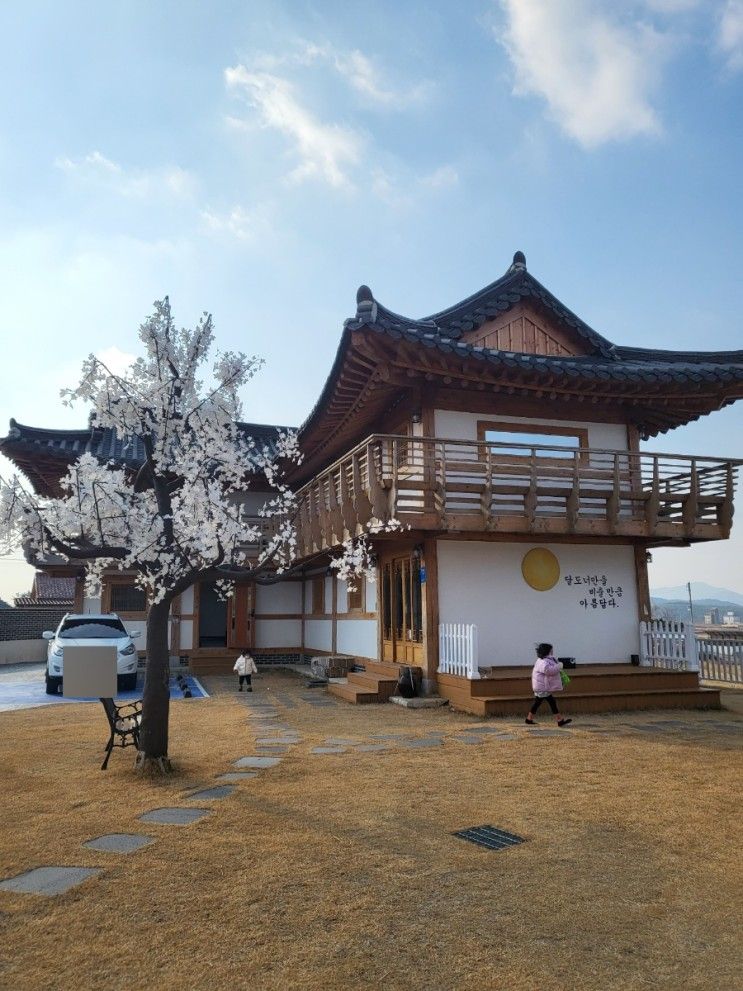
(180, 514)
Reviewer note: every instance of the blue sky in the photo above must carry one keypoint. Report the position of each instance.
(261, 160)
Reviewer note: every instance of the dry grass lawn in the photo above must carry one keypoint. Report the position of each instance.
(339, 872)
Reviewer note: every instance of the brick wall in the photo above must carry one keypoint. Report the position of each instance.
(28, 623)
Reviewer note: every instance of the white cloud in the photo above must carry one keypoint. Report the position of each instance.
(359, 70)
(245, 225)
(730, 34)
(135, 183)
(364, 76)
(596, 74)
(405, 192)
(440, 178)
(115, 360)
(325, 151)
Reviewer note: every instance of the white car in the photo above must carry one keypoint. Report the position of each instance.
(100, 630)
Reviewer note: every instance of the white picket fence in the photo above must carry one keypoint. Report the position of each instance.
(458, 650)
(668, 644)
(721, 657)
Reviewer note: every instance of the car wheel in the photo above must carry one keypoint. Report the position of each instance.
(52, 685)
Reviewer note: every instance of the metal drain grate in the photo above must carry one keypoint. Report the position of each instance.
(489, 836)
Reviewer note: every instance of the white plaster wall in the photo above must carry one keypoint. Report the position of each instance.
(481, 582)
(186, 634)
(91, 605)
(357, 637)
(318, 634)
(278, 633)
(285, 597)
(187, 600)
(371, 596)
(452, 425)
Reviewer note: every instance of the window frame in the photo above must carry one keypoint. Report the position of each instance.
(500, 426)
(360, 592)
(107, 596)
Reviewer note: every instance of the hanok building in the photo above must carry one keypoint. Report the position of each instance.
(504, 434)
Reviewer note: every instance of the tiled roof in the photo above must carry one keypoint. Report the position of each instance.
(59, 588)
(442, 332)
(512, 287)
(29, 624)
(29, 446)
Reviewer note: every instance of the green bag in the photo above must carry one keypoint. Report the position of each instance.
(565, 679)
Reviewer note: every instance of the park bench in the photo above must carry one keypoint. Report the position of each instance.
(124, 722)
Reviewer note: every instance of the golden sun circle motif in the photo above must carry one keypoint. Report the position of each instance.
(541, 569)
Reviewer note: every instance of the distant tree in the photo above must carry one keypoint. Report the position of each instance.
(178, 519)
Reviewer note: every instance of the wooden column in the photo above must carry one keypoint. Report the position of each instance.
(334, 615)
(643, 584)
(430, 615)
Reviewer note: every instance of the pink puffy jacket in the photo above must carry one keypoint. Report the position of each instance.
(546, 675)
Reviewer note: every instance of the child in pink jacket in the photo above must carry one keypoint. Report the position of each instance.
(545, 679)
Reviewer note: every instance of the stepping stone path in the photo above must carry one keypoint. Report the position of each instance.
(329, 750)
(373, 748)
(174, 816)
(421, 743)
(482, 729)
(212, 794)
(545, 732)
(336, 741)
(237, 775)
(470, 738)
(48, 880)
(258, 762)
(119, 842)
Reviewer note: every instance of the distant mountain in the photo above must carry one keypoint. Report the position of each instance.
(699, 591)
(4, 605)
(679, 608)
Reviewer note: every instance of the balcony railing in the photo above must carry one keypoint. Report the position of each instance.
(455, 485)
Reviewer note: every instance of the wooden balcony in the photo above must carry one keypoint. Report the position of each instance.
(468, 486)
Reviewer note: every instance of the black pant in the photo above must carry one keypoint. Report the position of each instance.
(245, 678)
(551, 702)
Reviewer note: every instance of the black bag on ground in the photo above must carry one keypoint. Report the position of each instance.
(406, 685)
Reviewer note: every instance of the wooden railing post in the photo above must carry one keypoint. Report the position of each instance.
(530, 499)
(486, 497)
(725, 509)
(612, 503)
(652, 505)
(691, 502)
(572, 505)
(377, 494)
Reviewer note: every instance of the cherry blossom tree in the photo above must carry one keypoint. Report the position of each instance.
(177, 517)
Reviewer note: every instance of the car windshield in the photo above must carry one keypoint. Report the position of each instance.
(93, 628)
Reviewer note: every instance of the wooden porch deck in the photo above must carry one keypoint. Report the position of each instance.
(593, 688)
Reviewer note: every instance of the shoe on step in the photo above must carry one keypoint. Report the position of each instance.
(530, 722)
(563, 722)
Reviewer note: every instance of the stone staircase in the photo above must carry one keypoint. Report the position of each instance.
(593, 688)
(377, 683)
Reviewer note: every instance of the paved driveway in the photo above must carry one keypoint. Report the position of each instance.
(22, 687)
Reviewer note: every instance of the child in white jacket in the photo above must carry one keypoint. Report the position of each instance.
(245, 667)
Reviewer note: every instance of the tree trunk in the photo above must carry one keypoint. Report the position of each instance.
(153, 740)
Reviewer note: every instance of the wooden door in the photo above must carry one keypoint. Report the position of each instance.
(240, 621)
(402, 611)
